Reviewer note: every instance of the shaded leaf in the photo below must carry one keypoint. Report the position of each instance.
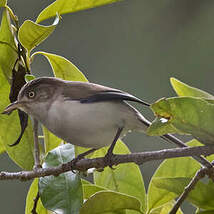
(172, 168)
(64, 192)
(189, 115)
(30, 200)
(183, 89)
(109, 201)
(119, 180)
(32, 34)
(69, 6)
(205, 212)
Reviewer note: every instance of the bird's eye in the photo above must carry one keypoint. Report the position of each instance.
(31, 94)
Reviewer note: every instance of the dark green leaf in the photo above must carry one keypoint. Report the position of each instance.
(69, 6)
(61, 194)
(109, 201)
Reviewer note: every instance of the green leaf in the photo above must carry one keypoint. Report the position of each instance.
(2, 147)
(69, 6)
(205, 212)
(119, 180)
(165, 209)
(61, 194)
(63, 68)
(30, 200)
(29, 77)
(201, 196)
(183, 89)
(32, 34)
(189, 115)
(21, 154)
(172, 168)
(51, 141)
(91, 189)
(3, 3)
(8, 50)
(109, 201)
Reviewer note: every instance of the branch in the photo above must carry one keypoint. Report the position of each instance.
(84, 164)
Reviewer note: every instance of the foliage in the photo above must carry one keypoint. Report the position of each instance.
(121, 190)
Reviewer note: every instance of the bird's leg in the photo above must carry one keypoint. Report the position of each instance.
(109, 154)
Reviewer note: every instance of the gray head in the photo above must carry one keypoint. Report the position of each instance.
(41, 91)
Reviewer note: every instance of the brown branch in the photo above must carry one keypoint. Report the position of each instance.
(84, 164)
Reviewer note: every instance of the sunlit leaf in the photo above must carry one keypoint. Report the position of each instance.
(29, 77)
(183, 89)
(172, 168)
(165, 209)
(3, 3)
(69, 6)
(64, 192)
(109, 201)
(189, 115)
(63, 68)
(30, 200)
(119, 180)
(32, 34)
(21, 154)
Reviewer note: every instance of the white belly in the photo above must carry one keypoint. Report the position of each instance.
(88, 125)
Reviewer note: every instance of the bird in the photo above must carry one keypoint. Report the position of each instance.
(83, 113)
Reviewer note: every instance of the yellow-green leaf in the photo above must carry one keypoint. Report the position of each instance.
(69, 6)
(183, 89)
(62, 67)
(32, 34)
(110, 202)
(3, 3)
(188, 115)
(32, 192)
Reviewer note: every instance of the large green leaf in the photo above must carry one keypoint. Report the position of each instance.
(3, 3)
(21, 154)
(8, 50)
(187, 114)
(172, 168)
(109, 202)
(183, 89)
(69, 6)
(125, 178)
(30, 200)
(61, 194)
(32, 34)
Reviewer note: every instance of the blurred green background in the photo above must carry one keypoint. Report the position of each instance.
(133, 45)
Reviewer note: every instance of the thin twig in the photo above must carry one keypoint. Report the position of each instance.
(35, 200)
(36, 145)
(199, 175)
(84, 164)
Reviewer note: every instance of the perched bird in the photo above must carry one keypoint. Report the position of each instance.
(84, 114)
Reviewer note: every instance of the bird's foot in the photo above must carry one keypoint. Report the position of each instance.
(108, 159)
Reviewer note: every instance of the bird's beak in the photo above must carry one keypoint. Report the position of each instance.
(13, 106)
